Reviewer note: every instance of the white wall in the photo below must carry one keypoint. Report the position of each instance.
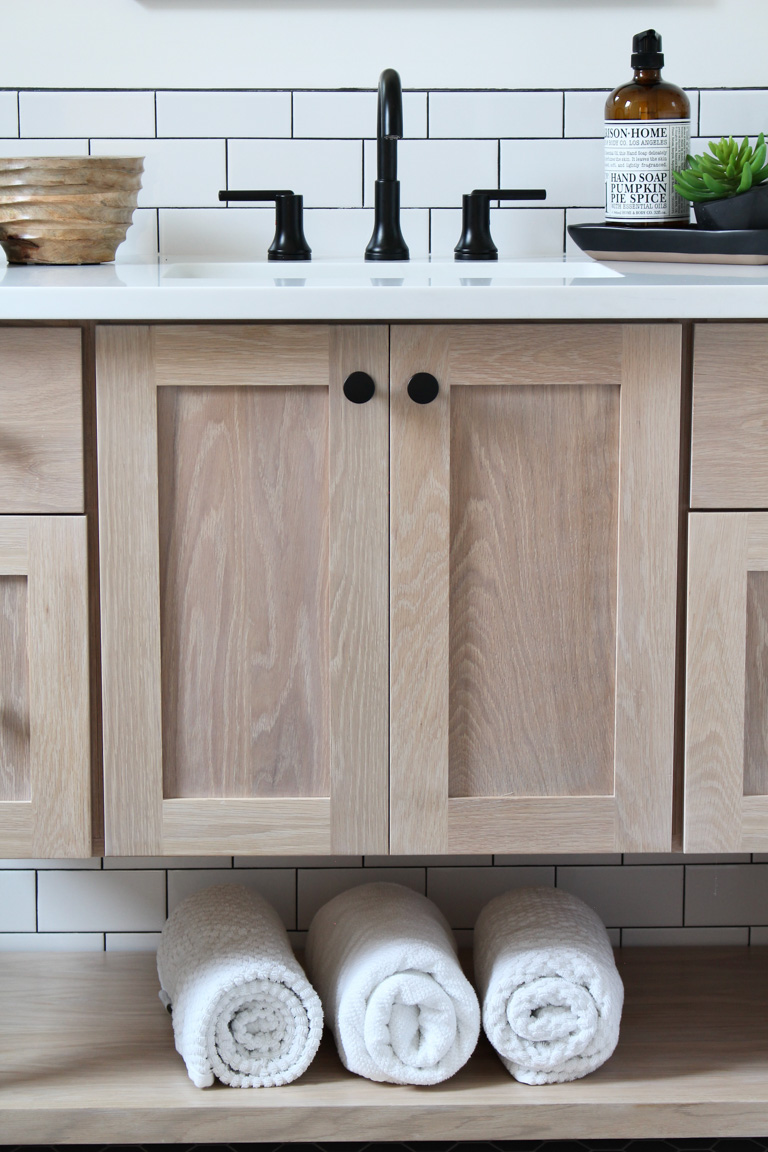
(337, 43)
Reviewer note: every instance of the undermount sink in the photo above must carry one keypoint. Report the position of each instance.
(415, 274)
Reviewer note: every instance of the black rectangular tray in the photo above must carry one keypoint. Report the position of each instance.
(686, 245)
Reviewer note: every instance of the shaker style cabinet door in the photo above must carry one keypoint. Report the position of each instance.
(533, 589)
(44, 688)
(726, 740)
(243, 552)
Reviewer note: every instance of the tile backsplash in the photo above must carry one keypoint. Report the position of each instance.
(121, 904)
(322, 144)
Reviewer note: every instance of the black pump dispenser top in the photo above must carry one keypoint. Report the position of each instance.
(646, 50)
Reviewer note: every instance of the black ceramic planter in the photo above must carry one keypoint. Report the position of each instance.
(747, 210)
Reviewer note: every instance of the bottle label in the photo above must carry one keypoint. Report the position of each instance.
(640, 157)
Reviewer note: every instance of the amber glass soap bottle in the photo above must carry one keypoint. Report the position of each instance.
(647, 138)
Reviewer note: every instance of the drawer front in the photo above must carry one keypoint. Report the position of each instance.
(41, 421)
(729, 463)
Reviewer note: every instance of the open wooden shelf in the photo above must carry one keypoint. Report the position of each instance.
(87, 1056)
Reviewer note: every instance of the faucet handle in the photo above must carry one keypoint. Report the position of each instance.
(289, 242)
(476, 242)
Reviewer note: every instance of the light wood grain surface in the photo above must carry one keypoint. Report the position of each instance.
(41, 422)
(243, 521)
(14, 690)
(692, 1060)
(729, 466)
(756, 687)
(227, 355)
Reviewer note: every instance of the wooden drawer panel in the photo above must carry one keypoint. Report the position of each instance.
(41, 421)
(729, 465)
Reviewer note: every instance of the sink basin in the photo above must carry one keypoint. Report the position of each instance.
(413, 274)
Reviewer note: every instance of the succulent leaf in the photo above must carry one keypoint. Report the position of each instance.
(727, 169)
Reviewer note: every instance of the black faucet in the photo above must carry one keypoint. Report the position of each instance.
(387, 241)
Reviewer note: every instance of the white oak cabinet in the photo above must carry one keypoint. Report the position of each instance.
(45, 766)
(726, 760)
(443, 626)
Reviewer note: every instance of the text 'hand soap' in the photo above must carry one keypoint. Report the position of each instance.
(647, 138)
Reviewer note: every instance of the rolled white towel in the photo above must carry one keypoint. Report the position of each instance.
(383, 959)
(550, 990)
(242, 1008)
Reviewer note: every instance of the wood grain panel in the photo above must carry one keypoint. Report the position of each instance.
(59, 686)
(247, 826)
(359, 595)
(522, 355)
(243, 498)
(756, 687)
(126, 413)
(716, 662)
(730, 417)
(111, 1073)
(647, 583)
(41, 420)
(14, 690)
(287, 355)
(534, 494)
(419, 596)
(541, 824)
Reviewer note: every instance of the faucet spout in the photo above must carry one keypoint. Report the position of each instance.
(387, 241)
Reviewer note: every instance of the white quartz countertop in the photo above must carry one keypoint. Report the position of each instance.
(546, 289)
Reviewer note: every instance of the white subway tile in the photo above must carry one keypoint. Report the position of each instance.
(298, 940)
(516, 232)
(480, 115)
(277, 885)
(461, 893)
(352, 115)
(325, 172)
(614, 935)
(144, 862)
(571, 171)
(317, 886)
(428, 861)
(132, 941)
(44, 148)
(141, 238)
(51, 942)
(17, 902)
(63, 864)
(177, 173)
(734, 113)
(298, 861)
(695, 99)
(262, 114)
(555, 860)
(672, 937)
(100, 901)
(650, 897)
(99, 113)
(726, 894)
(758, 936)
(436, 173)
(9, 114)
(585, 113)
(347, 232)
(215, 233)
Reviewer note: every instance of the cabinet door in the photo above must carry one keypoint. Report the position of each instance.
(534, 521)
(726, 745)
(44, 687)
(243, 544)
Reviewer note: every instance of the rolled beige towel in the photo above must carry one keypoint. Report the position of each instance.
(243, 1010)
(383, 959)
(550, 990)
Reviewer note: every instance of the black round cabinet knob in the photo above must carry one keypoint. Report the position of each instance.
(359, 387)
(423, 388)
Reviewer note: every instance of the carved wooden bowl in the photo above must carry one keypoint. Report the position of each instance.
(66, 209)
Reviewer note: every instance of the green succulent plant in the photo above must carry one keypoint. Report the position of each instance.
(731, 169)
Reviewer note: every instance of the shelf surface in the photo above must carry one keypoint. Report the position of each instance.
(87, 1056)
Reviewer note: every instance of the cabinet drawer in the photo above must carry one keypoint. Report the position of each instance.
(729, 463)
(41, 421)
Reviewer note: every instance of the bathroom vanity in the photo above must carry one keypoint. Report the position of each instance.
(245, 610)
